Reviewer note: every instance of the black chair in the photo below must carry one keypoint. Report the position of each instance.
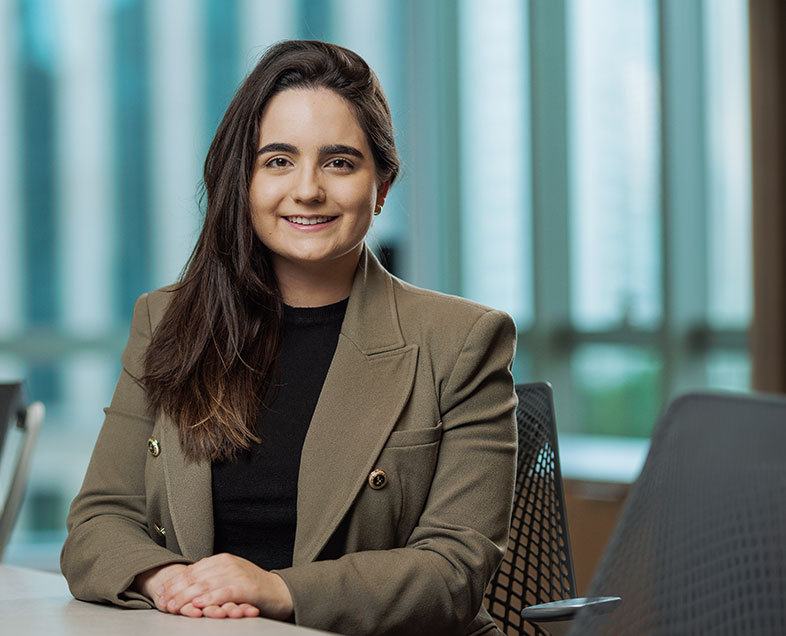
(533, 590)
(27, 422)
(700, 547)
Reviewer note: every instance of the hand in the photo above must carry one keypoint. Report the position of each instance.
(217, 585)
(148, 582)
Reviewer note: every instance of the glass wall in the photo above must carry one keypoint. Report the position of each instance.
(581, 164)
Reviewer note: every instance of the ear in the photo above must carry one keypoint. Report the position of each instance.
(382, 192)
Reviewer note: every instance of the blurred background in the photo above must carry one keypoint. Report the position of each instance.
(582, 164)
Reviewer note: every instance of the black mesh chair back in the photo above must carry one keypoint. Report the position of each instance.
(537, 567)
(700, 547)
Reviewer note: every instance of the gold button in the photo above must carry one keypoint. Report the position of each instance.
(377, 479)
(160, 529)
(153, 447)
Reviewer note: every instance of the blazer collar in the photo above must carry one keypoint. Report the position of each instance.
(368, 384)
(371, 321)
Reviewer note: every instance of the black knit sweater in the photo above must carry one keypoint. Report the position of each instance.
(255, 496)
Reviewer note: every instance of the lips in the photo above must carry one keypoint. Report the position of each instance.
(309, 220)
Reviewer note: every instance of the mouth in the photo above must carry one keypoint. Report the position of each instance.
(309, 220)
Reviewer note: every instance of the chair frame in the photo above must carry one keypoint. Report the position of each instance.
(29, 419)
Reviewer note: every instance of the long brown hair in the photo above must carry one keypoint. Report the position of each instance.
(213, 356)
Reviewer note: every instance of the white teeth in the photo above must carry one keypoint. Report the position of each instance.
(314, 220)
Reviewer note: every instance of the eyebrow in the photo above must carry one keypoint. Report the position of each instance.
(340, 149)
(330, 149)
(278, 147)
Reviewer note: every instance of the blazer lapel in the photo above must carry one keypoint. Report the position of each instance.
(188, 488)
(367, 386)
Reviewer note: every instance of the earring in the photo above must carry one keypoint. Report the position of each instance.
(378, 211)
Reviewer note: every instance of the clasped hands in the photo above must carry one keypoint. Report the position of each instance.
(219, 586)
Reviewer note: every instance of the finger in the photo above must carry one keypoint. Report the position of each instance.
(186, 576)
(189, 610)
(174, 585)
(214, 611)
(160, 605)
(218, 596)
(249, 611)
(184, 586)
(232, 610)
(176, 602)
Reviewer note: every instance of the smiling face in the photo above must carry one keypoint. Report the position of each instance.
(314, 187)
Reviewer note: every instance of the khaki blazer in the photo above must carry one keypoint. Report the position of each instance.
(419, 387)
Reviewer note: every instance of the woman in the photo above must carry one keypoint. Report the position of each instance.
(296, 433)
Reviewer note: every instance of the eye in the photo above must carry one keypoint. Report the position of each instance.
(340, 164)
(278, 162)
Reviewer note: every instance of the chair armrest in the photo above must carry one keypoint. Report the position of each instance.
(566, 609)
(31, 424)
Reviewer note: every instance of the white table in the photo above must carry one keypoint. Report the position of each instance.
(34, 602)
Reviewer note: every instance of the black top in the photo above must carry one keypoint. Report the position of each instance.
(255, 496)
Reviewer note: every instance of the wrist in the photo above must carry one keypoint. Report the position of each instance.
(284, 606)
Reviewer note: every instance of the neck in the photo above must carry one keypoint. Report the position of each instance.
(315, 284)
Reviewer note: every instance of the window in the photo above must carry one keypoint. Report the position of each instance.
(633, 221)
(581, 164)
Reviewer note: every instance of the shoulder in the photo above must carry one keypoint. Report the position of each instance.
(148, 311)
(446, 319)
(151, 306)
(462, 344)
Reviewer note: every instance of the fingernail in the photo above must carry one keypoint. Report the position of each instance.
(171, 604)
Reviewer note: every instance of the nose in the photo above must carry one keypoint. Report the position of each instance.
(308, 187)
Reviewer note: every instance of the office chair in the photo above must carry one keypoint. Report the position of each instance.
(533, 590)
(28, 420)
(700, 547)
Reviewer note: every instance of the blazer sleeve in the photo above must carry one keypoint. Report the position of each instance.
(108, 541)
(435, 584)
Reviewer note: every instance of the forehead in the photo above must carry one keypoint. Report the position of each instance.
(311, 117)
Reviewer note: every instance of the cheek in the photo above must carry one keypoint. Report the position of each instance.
(263, 201)
(262, 194)
(257, 218)
(360, 199)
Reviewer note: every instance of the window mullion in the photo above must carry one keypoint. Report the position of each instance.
(433, 149)
(684, 228)
(550, 187)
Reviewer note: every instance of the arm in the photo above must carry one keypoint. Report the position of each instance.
(108, 542)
